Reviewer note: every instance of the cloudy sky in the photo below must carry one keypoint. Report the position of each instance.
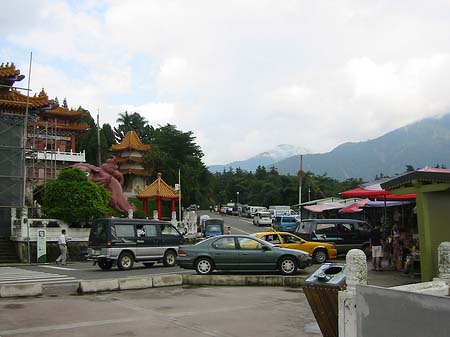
(243, 75)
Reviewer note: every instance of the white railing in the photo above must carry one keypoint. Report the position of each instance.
(79, 157)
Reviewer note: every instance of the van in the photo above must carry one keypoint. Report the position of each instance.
(346, 234)
(262, 219)
(285, 223)
(122, 242)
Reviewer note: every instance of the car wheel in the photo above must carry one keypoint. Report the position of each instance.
(204, 266)
(149, 264)
(320, 256)
(170, 258)
(105, 265)
(288, 266)
(125, 261)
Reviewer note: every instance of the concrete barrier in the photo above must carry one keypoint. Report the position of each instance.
(244, 280)
(167, 280)
(135, 283)
(94, 286)
(21, 290)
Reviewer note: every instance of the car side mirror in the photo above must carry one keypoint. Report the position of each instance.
(265, 248)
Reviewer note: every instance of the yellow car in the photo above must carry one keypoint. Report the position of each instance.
(320, 251)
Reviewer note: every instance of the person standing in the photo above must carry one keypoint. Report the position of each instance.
(376, 242)
(229, 230)
(62, 248)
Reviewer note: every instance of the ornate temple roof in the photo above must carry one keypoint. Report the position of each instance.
(131, 141)
(135, 171)
(158, 188)
(130, 159)
(12, 99)
(60, 111)
(9, 74)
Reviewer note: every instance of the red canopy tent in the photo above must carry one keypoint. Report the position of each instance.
(375, 191)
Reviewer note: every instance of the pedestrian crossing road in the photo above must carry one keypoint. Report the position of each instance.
(11, 275)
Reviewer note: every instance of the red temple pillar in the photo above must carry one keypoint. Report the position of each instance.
(72, 145)
(173, 209)
(144, 206)
(159, 208)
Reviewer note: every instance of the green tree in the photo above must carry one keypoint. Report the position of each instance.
(131, 122)
(73, 198)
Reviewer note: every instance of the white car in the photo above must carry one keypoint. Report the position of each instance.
(262, 219)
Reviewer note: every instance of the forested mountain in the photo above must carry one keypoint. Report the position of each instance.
(266, 158)
(424, 143)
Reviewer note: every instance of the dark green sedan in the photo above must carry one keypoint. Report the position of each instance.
(240, 252)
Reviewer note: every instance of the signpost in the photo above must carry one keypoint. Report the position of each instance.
(41, 246)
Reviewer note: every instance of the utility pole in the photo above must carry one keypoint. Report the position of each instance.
(98, 139)
(25, 138)
(300, 187)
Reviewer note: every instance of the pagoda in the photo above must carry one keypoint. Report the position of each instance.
(160, 191)
(130, 159)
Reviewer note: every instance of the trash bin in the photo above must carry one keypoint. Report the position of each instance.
(321, 290)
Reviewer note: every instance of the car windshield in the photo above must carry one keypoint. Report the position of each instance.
(213, 228)
(265, 215)
(290, 219)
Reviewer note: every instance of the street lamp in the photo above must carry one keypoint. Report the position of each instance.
(237, 198)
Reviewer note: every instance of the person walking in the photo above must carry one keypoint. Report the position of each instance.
(62, 248)
(376, 242)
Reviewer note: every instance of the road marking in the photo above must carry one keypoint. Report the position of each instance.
(247, 221)
(238, 230)
(56, 267)
(11, 275)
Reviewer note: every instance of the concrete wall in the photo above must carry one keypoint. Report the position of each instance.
(390, 312)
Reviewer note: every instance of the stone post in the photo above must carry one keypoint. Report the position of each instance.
(444, 261)
(356, 274)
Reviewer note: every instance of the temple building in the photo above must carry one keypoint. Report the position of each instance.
(50, 132)
(130, 159)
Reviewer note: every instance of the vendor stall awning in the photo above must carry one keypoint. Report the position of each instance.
(374, 191)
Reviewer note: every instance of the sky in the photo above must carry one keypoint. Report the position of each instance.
(242, 75)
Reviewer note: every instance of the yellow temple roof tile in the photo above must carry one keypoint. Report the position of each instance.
(158, 188)
(131, 141)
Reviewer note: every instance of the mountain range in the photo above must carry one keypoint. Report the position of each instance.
(267, 158)
(420, 144)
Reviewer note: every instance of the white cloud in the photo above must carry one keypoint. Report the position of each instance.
(243, 75)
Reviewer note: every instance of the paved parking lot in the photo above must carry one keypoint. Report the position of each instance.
(171, 311)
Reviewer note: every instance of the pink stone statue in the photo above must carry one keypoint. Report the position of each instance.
(109, 177)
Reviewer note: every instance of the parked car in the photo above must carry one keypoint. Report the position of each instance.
(320, 251)
(345, 233)
(285, 223)
(240, 252)
(122, 242)
(262, 219)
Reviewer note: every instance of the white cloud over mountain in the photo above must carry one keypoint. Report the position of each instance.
(242, 75)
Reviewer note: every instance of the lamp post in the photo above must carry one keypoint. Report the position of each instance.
(237, 197)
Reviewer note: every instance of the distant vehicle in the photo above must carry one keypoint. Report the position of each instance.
(280, 210)
(192, 207)
(285, 223)
(240, 252)
(320, 251)
(122, 242)
(345, 233)
(262, 219)
(211, 227)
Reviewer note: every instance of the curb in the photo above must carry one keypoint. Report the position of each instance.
(145, 282)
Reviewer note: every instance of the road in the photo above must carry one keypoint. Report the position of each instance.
(76, 271)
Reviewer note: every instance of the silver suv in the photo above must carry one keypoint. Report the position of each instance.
(123, 242)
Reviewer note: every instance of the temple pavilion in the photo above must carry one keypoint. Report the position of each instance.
(160, 191)
(130, 159)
